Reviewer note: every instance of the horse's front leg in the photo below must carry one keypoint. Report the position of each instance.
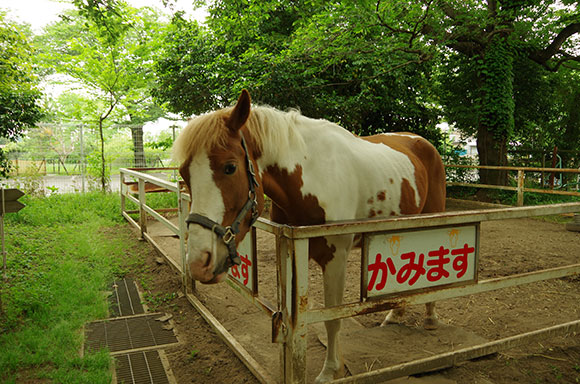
(334, 280)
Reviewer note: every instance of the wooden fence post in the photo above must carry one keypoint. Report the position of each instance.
(142, 213)
(520, 188)
(293, 303)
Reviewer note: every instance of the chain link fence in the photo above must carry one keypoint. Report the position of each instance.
(66, 158)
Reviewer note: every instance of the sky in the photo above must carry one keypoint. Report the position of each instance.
(39, 13)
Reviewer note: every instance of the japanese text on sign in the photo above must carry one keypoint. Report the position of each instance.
(244, 272)
(419, 259)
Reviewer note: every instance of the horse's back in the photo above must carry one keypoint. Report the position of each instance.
(427, 155)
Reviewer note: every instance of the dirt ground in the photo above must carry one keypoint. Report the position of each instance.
(506, 247)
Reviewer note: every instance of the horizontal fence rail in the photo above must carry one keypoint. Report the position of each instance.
(426, 220)
(520, 189)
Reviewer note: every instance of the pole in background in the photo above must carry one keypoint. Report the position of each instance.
(82, 160)
(173, 127)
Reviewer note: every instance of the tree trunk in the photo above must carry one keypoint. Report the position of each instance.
(138, 150)
(103, 173)
(491, 152)
(496, 113)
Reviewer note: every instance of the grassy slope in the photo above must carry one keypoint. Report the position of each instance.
(63, 251)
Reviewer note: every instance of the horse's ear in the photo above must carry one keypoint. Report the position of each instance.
(240, 113)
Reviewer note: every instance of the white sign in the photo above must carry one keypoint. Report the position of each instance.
(244, 273)
(408, 261)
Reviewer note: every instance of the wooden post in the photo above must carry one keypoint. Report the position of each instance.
(520, 188)
(294, 290)
(142, 213)
(282, 297)
(121, 184)
(543, 179)
(182, 210)
(574, 225)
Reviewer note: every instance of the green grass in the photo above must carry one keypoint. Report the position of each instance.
(62, 252)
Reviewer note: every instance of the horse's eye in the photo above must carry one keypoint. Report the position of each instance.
(230, 169)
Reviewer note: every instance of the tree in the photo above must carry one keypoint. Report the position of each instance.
(488, 38)
(19, 97)
(109, 50)
(326, 59)
(376, 65)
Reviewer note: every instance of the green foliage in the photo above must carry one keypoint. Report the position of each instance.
(63, 251)
(106, 15)
(108, 47)
(492, 82)
(330, 60)
(497, 103)
(165, 142)
(19, 97)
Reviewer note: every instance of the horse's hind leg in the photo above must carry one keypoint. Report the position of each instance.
(334, 280)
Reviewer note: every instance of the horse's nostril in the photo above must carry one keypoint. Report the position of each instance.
(206, 257)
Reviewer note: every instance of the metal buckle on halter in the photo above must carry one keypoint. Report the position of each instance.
(228, 236)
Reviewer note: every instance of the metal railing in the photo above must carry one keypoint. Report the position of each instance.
(291, 314)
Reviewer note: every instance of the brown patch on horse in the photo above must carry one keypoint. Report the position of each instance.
(372, 213)
(370, 201)
(320, 251)
(284, 189)
(290, 207)
(382, 195)
(234, 187)
(429, 172)
(408, 203)
(184, 172)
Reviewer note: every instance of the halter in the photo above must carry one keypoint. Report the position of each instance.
(228, 234)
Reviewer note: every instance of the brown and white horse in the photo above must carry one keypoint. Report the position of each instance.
(314, 171)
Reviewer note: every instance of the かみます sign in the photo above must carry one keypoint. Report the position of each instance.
(413, 260)
(245, 272)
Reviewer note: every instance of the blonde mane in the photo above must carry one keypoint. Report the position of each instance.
(268, 127)
(202, 132)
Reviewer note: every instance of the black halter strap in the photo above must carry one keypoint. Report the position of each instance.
(228, 233)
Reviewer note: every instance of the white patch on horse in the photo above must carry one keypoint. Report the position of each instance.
(206, 200)
(330, 156)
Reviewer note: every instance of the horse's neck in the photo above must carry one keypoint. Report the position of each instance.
(288, 140)
(281, 137)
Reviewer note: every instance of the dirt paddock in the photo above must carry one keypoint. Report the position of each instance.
(506, 247)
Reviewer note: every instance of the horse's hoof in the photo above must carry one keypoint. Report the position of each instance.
(394, 317)
(324, 377)
(430, 324)
(390, 321)
(329, 374)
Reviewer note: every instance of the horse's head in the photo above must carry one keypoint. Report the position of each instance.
(219, 169)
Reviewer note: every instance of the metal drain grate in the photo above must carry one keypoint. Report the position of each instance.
(125, 300)
(140, 367)
(128, 333)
